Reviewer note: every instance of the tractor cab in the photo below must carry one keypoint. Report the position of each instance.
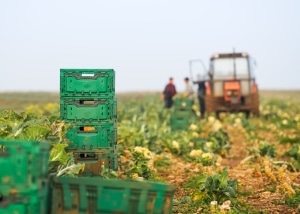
(231, 85)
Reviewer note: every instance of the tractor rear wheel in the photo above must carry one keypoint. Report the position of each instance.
(209, 104)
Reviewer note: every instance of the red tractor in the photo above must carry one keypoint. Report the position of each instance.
(231, 85)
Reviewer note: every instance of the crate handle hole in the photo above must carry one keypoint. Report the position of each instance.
(86, 155)
(87, 75)
(87, 102)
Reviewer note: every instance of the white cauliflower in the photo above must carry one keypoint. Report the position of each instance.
(196, 153)
(175, 144)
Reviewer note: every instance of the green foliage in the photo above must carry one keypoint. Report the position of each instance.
(284, 115)
(216, 187)
(25, 125)
(108, 173)
(145, 123)
(220, 140)
(290, 140)
(294, 153)
(267, 149)
(293, 200)
(31, 126)
(62, 163)
(219, 188)
(135, 162)
(240, 119)
(216, 142)
(141, 166)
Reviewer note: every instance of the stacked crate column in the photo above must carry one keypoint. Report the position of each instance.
(88, 103)
(182, 114)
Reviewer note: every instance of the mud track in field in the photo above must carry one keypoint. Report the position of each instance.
(261, 193)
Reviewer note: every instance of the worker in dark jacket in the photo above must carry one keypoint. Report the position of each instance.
(168, 93)
(201, 94)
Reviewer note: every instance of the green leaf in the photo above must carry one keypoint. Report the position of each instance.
(209, 184)
(223, 178)
(230, 192)
(34, 133)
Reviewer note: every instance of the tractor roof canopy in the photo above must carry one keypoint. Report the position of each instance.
(228, 55)
(227, 66)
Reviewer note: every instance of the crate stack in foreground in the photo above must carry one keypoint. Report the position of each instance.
(88, 103)
(182, 114)
(24, 177)
(26, 188)
(94, 195)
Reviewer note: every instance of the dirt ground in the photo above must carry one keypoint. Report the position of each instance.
(261, 195)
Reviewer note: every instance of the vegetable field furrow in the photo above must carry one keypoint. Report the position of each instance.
(227, 165)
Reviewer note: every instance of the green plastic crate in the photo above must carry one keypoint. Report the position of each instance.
(182, 113)
(14, 208)
(29, 202)
(178, 121)
(92, 137)
(87, 82)
(183, 103)
(24, 165)
(88, 110)
(95, 167)
(95, 195)
(93, 155)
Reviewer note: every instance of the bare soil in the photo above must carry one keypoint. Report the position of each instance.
(262, 194)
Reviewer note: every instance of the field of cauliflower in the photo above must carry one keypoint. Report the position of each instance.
(226, 165)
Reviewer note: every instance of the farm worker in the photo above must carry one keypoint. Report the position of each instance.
(201, 94)
(168, 93)
(189, 91)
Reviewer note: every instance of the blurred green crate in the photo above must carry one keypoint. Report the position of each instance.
(27, 202)
(95, 195)
(88, 110)
(183, 103)
(14, 208)
(182, 113)
(95, 167)
(87, 82)
(179, 121)
(24, 165)
(95, 155)
(92, 137)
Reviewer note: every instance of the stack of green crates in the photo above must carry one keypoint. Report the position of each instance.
(182, 114)
(88, 103)
(24, 177)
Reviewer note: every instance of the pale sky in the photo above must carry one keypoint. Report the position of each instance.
(146, 42)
